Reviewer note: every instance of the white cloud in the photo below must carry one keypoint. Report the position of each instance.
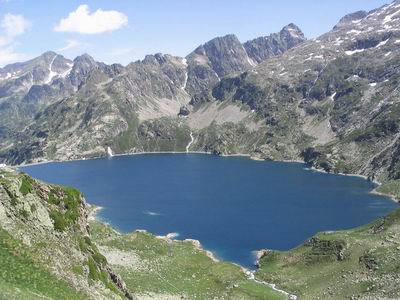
(71, 44)
(14, 25)
(11, 26)
(83, 21)
(8, 55)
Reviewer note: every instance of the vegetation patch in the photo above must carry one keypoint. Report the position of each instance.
(67, 201)
(325, 250)
(26, 184)
(391, 188)
(22, 278)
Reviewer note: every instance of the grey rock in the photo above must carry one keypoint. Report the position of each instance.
(184, 111)
(266, 47)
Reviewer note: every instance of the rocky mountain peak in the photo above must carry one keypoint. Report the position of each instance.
(20, 77)
(82, 67)
(155, 59)
(48, 55)
(353, 17)
(379, 21)
(84, 59)
(291, 35)
(293, 30)
(220, 43)
(265, 47)
(37, 62)
(225, 54)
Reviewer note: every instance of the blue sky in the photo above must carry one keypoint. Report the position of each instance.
(127, 30)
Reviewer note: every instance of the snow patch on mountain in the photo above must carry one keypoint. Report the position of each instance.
(51, 73)
(382, 43)
(354, 31)
(389, 18)
(354, 51)
(66, 73)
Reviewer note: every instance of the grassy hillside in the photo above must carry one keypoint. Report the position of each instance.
(45, 246)
(22, 278)
(363, 263)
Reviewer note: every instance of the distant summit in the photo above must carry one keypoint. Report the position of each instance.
(265, 47)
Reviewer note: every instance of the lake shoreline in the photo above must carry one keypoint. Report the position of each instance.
(94, 210)
(393, 198)
(172, 237)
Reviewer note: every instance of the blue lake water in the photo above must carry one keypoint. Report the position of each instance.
(233, 205)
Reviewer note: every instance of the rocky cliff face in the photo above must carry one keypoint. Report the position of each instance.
(51, 223)
(226, 55)
(275, 97)
(41, 70)
(266, 47)
(25, 88)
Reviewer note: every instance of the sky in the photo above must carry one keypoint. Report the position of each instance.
(122, 31)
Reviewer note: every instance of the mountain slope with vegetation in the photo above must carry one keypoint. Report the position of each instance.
(362, 263)
(46, 249)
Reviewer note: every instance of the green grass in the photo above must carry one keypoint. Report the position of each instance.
(22, 278)
(97, 274)
(67, 201)
(126, 140)
(391, 188)
(26, 185)
(60, 223)
(178, 268)
(95, 263)
(26, 263)
(171, 135)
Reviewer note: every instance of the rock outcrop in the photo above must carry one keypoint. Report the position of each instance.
(56, 218)
(275, 44)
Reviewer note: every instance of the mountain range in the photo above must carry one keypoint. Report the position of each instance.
(332, 101)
